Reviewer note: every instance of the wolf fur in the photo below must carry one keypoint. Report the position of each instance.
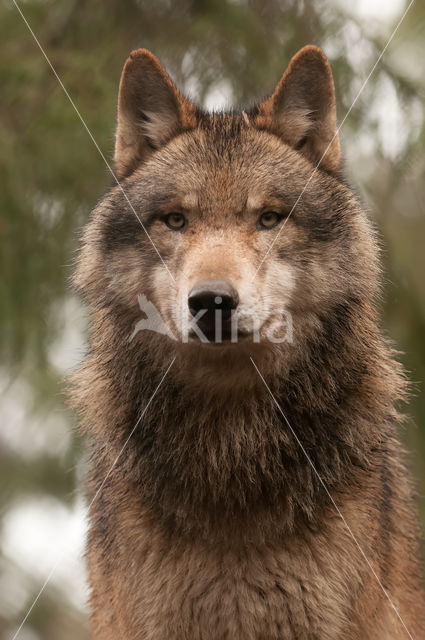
(209, 522)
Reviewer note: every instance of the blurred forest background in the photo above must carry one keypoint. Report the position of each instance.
(221, 52)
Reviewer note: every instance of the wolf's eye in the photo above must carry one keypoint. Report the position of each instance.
(268, 220)
(175, 221)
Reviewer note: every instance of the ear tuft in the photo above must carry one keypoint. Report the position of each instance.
(151, 111)
(302, 109)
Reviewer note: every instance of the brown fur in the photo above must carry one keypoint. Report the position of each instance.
(212, 523)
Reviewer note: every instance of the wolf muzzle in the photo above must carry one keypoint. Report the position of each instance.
(215, 302)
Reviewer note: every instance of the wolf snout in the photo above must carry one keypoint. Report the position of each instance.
(212, 303)
(212, 296)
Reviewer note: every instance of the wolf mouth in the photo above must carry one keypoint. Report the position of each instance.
(226, 338)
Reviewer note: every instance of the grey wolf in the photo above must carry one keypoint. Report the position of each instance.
(213, 524)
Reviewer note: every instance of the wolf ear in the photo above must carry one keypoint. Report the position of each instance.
(151, 111)
(302, 109)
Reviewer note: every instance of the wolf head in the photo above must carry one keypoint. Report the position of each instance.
(235, 226)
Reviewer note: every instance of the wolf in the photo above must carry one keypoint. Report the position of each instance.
(241, 489)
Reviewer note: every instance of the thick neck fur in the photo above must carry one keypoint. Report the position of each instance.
(206, 462)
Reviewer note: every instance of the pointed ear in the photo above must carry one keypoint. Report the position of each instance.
(302, 109)
(151, 111)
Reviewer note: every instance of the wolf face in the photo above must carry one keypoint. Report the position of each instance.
(234, 234)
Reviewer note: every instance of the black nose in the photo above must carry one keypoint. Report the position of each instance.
(213, 295)
(209, 297)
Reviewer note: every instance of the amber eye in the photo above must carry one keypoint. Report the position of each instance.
(175, 221)
(269, 219)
